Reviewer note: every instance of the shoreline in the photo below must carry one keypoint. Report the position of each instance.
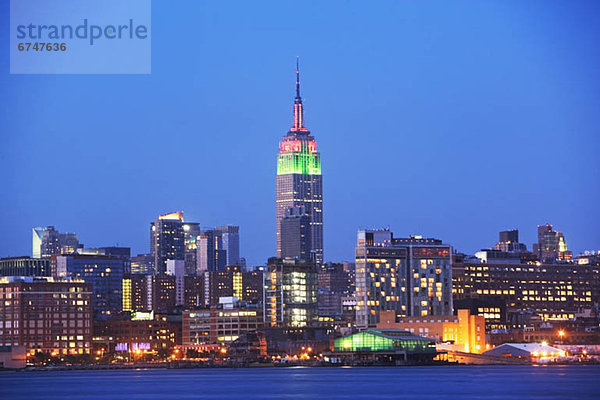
(200, 365)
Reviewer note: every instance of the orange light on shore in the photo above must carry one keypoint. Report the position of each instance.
(223, 350)
(561, 333)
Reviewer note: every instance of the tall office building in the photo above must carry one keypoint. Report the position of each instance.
(508, 241)
(290, 293)
(299, 181)
(167, 240)
(38, 234)
(103, 272)
(211, 256)
(551, 245)
(411, 276)
(230, 236)
(191, 231)
(142, 264)
(48, 241)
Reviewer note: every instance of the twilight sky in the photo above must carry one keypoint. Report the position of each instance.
(449, 119)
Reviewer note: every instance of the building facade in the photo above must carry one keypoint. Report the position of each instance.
(299, 182)
(104, 273)
(296, 239)
(551, 245)
(230, 238)
(466, 332)
(46, 314)
(245, 286)
(142, 264)
(48, 241)
(25, 266)
(167, 240)
(220, 324)
(211, 254)
(411, 276)
(556, 292)
(290, 293)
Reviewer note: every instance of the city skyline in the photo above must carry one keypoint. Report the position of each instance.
(444, 163)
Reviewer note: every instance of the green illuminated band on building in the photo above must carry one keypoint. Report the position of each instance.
(299, 163)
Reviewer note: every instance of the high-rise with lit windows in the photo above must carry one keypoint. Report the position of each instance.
(411, 276)
(551, 245)
(290, 293)
(167, 240)
(299, 181)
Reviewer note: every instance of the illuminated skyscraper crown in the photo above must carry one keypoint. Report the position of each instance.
(298, 149)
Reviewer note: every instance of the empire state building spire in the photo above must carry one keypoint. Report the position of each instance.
(298, 107)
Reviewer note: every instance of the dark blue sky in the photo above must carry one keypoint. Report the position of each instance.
(452, 120)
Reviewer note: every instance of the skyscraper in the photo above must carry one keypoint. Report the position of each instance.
(230, 235)
(167, 240)
(211, 256)
(48, 241)
(299, 181)
(509, 242)
(551, 245)
(411, 276)
(290, 293)
(38, 235)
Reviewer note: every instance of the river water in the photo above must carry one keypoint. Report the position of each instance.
(441, 382)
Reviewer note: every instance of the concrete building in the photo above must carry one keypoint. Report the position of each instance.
(411, 276)
(25, 266)
(46, 314)
(299, 182)
(290, 293)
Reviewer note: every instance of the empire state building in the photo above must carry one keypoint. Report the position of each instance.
(299, 201)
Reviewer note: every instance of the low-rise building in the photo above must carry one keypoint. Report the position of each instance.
(534, 352)
(222, 324)
(46, 315)
(384, 346)
(24, 266)
(142, 331)
(465, 331)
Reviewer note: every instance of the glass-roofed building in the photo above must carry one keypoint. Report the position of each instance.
(384, 345)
